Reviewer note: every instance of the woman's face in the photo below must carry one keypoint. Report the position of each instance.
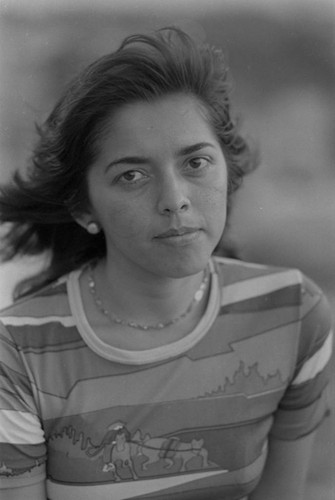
(158, 187)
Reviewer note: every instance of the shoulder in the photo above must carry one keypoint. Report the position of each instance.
(48, 300)
(254, 287)
(263, 278)
(283, 293)
(45, 313)
(239, 270)
(256, 279)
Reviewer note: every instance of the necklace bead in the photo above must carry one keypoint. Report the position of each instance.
(132, 324)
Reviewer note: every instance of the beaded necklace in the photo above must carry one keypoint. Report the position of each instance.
(159, 326)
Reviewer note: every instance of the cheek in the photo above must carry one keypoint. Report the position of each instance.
(216, 197)
(123, 220)
(215, 202)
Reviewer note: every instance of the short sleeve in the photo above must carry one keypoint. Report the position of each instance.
(306, 400)
(22, 446)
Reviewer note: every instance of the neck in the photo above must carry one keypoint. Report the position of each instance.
(143, 297)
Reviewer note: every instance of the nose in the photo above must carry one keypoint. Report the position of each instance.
(173, 197)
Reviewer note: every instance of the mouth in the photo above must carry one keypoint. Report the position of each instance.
(178, 232)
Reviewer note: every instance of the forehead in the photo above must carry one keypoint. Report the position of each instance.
(170, 118)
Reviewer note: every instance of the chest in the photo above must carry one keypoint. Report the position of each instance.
(186, 421)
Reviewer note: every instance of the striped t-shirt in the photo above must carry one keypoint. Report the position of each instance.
(189, 420)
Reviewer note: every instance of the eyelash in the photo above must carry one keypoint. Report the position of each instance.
(199, 158)
(121, 178)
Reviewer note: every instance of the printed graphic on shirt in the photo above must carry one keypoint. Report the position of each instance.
(136, 455)
(123, 456)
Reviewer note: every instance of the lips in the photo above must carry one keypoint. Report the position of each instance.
(181, 231)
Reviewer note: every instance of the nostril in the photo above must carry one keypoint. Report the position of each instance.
(181, 207)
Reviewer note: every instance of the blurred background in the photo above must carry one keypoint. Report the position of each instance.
(282, 59)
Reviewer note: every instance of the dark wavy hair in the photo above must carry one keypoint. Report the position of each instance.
(41, 204)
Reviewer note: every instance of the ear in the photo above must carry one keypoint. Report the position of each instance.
(88, 222)
(82, 218)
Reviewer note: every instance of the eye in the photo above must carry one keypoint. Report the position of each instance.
(130, 177)
(198, 163)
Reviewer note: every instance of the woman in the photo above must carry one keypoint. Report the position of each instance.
(141, 366)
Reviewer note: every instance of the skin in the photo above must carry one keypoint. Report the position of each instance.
(142, 184)
(160, 167)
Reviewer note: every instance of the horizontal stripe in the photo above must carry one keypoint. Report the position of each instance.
(316, 324)
(39, 305)
(316, 363)
(238, 327)
(30, 320)
(11, 401)
(22, 456)
(123, 490)
(232, 271)
(302, 395)
(240, 263)
(16, 393)
(247, 415)
(35, 475)
(296, 423)
(19, 427)
(259, 286)
(57, 288)
(53, 336)
(289, 297)
(179, 486)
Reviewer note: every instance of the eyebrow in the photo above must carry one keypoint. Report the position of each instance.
(141, 160)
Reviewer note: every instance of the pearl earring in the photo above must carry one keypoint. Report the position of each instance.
(93, 228)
